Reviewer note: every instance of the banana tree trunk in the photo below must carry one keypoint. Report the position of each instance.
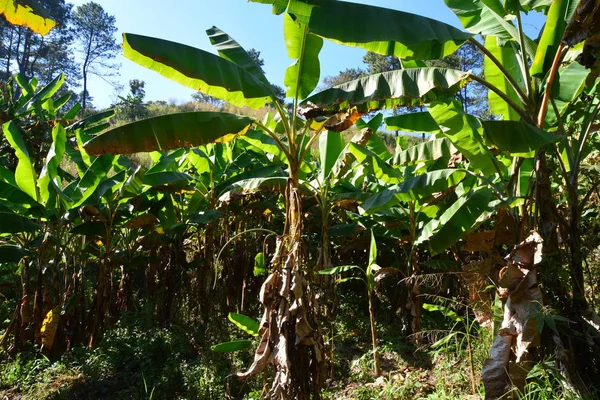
(290, 337)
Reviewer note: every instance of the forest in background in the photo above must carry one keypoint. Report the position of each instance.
(299, 242)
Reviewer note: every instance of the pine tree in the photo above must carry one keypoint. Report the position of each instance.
(97, 45)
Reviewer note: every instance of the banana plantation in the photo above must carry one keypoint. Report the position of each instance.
(367, 240)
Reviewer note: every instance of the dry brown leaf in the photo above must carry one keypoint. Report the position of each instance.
(480, 241)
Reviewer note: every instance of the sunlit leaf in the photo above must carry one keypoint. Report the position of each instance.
(245, 323)
(197, 69)
(166, 132)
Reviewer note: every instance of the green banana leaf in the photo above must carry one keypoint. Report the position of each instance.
(302, 77)
(431, 150)
(12, 254)
(381, 169)
(421, 122)
(249, 186)
(197, 69)
(13, 223)
(165, 178)
(403, 87)
(44, 94)
(518, 138)
(507, 55)
(245, 323)
(569, 83)
(25, 174)
(264, 143)
(339, 270)
(380, 30)
(53, 160)
(331, 147)
(556, 22)
(171, 131)
(414, 188)
(464, 131)
(230, 50)
(457, 221)
(488, 18)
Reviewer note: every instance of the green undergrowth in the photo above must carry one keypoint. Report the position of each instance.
(134, 362)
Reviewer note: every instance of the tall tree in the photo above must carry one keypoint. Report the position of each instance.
(96, 36)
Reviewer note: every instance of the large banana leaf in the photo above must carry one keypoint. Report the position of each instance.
(556, 22)
(265, 143)
(53, 160)
(12, 254)
(414, 188)
(302, 77)
(465, 133)
(431, 150)
(331, 147)
(420, 122)
(380, 30)
(517, 138)
(169, 132)
(537, 5)
(568, 84)
(230, 50)
(19, 12)
(488, 18)
(379, 167)
(16, 199)
(13, 223)
(507, 55)
(403, 87)
(197, 69)
(457, 221)
(25, 174)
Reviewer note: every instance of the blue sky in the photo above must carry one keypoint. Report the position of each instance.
(250, 24)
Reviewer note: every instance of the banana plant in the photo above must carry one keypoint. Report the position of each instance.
(529, 90)
(233, 77)
(368, 276)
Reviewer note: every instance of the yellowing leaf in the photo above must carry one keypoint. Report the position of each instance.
(22, 14)
(49, 326)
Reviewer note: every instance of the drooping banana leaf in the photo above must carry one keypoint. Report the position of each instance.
(249, 177)
(302, 77)
(13, 223)
(171, 131)
(431, 150)
(12, 254)
(380, 30)
(568, 84)
(464, 131)
(20, 12)
(197, 69)
(488, 18)
(414, 188)
(518, 138)
(381, 169)
(404, 87)
(457, 221)
(265, 143)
